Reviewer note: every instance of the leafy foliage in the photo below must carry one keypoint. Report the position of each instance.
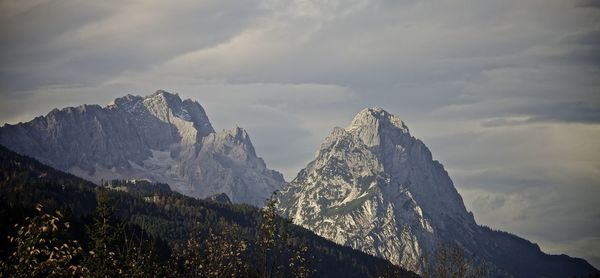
(41, 250)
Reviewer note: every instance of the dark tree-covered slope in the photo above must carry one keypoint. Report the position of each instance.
(163, 215)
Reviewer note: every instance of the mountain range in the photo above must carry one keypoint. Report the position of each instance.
(372, 186)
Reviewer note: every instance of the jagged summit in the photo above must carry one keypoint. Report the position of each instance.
(164, 93)
(240, 134)
(376, 117)
(159, 136)
(373, 181)
(125, 100)
(166, 99)
(374, 187)
(381, 130)
(167, 107)
(240, 137)
(70, 110)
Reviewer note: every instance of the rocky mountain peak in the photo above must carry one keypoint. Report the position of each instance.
(164, 98)
(374, 125)
(374, 187)
(169, 100)
(374, 181)
(240, 136)
(377, 117)
(163, 93)
(159, 137)
(125, 101)
(233, 142)
(187, 115)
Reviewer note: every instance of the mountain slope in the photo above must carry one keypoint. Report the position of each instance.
(162, 213)
(159, 137)
(376, 188)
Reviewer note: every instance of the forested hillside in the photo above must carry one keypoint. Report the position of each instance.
(55, 224)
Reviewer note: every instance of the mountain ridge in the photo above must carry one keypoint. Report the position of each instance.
(159, 136)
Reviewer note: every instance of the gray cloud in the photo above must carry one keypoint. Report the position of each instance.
(67, 41)
(505, 93)
(588, 4)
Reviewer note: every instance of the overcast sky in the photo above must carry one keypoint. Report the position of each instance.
(505, 93)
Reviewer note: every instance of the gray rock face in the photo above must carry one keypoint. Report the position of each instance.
(376, 188)
(159, 137)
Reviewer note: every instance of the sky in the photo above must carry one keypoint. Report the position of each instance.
(506, 94)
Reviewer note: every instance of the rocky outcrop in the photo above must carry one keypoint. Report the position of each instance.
(219, 198)
(159, 137)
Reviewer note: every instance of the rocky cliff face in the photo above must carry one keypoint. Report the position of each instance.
(159, 137)
(376, 188)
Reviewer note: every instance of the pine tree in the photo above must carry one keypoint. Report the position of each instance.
(268, 238)
(103, 258)
(299, 263)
